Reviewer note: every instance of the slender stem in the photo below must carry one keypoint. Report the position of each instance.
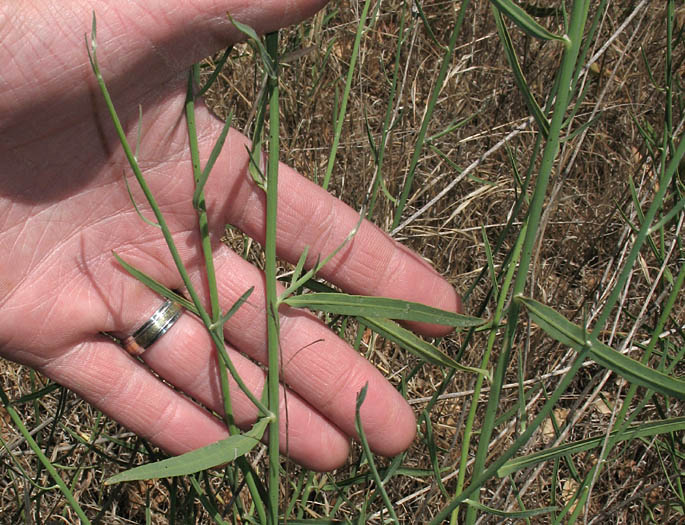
(577, 24)
(203, 225)
(216, 328)
(273, 378)
(468, 429)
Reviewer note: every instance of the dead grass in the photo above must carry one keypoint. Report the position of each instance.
(583, 237)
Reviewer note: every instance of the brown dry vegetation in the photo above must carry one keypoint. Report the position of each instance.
(583, 238)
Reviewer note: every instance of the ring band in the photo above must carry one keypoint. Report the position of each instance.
(154, 328)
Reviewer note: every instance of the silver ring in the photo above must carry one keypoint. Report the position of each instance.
(154, 328)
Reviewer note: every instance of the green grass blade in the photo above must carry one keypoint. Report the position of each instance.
(640, 431)
(156, 286)
(200, 185)
(342, 111)
(233, 309)
(414, 344)
(561, 329)
(531, 103)
(45, 461)
(215, 74)
(218, 453)
(432, 101)
(520, 514)
(369, 455)
(363, 306)
(526, 22)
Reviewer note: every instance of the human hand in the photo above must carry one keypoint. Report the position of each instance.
(64, 208)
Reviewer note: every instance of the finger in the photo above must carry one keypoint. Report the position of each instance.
(124, 389)
(187, 359)
(370, 264)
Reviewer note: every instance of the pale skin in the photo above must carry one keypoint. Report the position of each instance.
(64, 208)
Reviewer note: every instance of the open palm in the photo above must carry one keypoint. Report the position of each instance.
(64, 208)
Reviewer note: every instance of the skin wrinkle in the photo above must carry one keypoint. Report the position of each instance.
(169, 414)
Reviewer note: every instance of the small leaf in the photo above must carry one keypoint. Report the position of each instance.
(639, 431)
(156, 286)
(531, 102)
(254, 39)
(414, 344)
(300, 265)
(218, 453)
(561, 329)
(366, 306)
(200, 184)
(522, 19)
(241, 300)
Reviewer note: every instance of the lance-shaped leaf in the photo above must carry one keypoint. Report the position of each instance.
(526, 22)
(517, 514)
(254, 39)
(640, 431)
(384, 307)
(561, 329)
(414, 344)
(218, 453)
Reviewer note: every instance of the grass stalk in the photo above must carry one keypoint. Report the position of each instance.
(432, 101)
(549, 154)
(273, 375)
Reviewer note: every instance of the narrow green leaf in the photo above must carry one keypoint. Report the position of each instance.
(200, 184)
(559, 328)
(218, 453)
(531, 102)
(241, 300)
(156, 286)
(526, 22)
(361, 395)
(254, 39)
(642, 430)
(215, 74)
(365, 306)
(135, 205)
(514, 514)
(37, 394)
(414, 344)
(300, 265)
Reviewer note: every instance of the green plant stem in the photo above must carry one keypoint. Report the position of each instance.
(577, 24)
(201, 311)
(273, 383)
(216, 328)
(491, 471)
(468, 428)
(203, 225)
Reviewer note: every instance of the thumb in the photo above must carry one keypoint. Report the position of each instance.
(145, 41)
